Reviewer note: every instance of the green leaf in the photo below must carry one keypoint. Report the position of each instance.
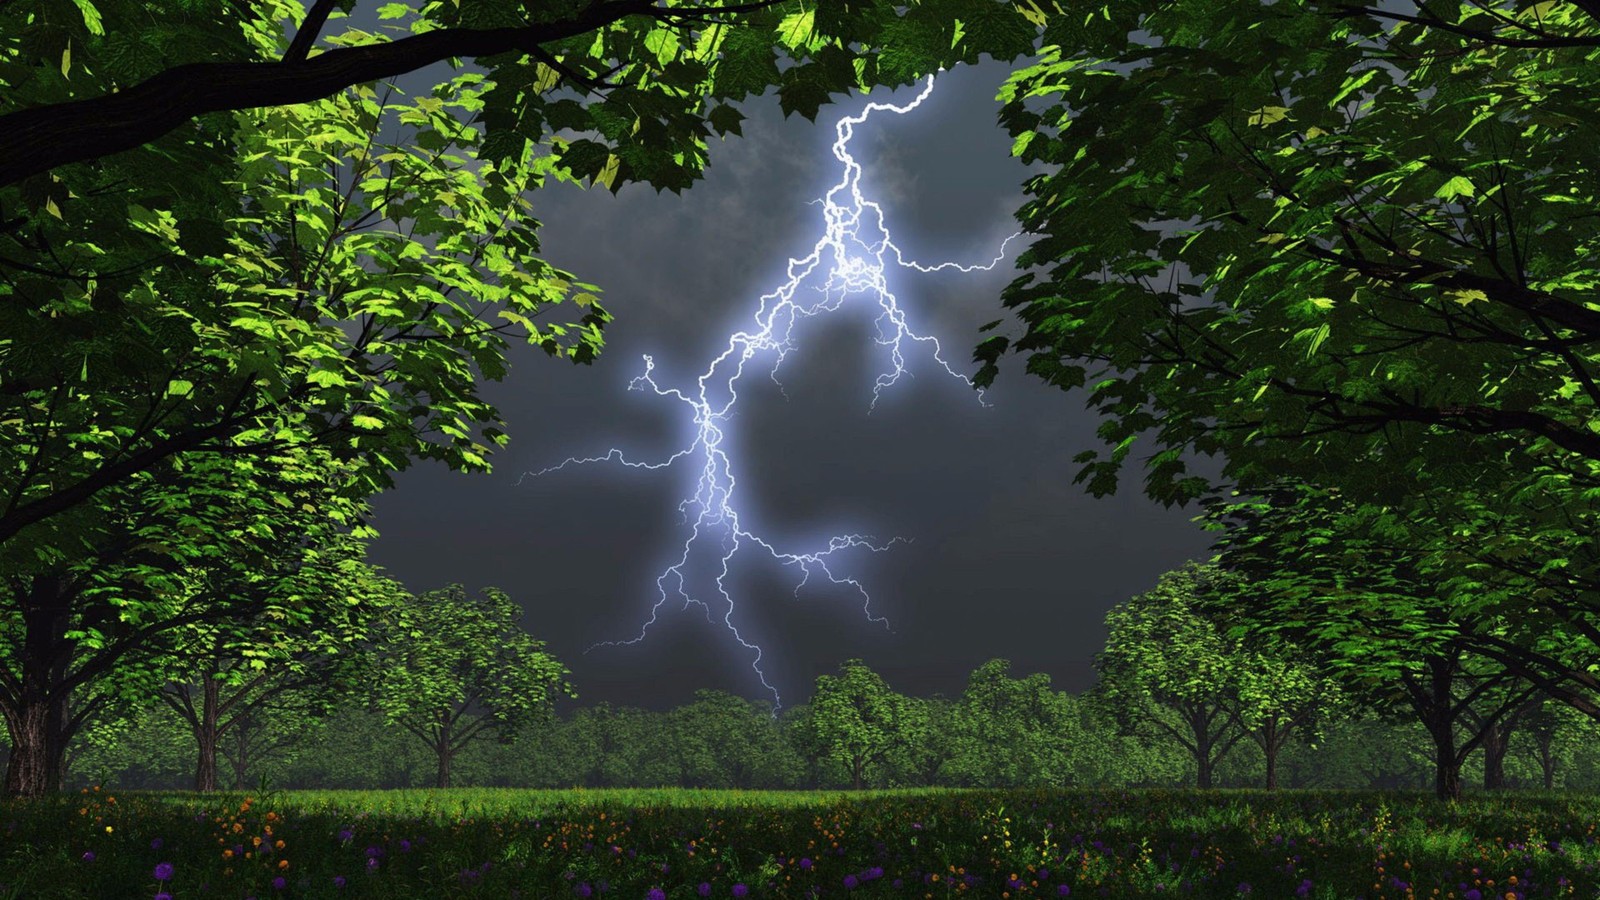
(1268, 115)
(1457, 186)
(91, 17)
(798, 30)
(725, 119)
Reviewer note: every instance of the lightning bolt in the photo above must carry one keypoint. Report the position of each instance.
(710, 511)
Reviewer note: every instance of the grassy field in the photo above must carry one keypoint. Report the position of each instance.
(654, 844)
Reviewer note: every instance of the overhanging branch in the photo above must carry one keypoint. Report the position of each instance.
(41, 138)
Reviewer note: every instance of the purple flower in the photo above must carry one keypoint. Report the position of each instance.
(895, 884)
(1472, 894)
(1304, 890)
(583, 889)
(345, 834)
(805, 862)
(279, 883)
(1063, 891)
(850, 881)
(739, 890)
(1244, 887)
(1044, 873)
(338, 881)
(704, 889)
(372, 865)
(163, 871)
(163, 896)
(405, 846)
(656, 894)
(88, 856)
(155, 844)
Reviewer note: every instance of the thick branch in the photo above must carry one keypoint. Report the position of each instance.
(43, 137)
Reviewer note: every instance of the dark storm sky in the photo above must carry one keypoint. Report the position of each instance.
(1008, 558)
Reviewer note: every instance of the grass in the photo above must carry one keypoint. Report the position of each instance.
(639, 844)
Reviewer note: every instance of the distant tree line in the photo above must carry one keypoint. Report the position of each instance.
(1177, 704)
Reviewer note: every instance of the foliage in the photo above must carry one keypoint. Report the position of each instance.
(449, 653)
(1354, 249)
(859, 723)
(1010, 731)
(1169, 672)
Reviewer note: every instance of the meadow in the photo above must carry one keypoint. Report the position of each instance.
(670, 844)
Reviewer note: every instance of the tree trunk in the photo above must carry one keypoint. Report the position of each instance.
(1435, 704)
(205, 735)
(856, 765)
(1496, 741)
(1272, 738)
(37, 723)
(1547, 760)
(1447, 775)
(1202, 754)
(443, 779)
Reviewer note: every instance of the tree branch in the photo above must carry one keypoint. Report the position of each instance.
(43, 137)
(310, 27)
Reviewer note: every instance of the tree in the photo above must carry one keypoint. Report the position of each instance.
(1349, 579)
(1009, 732)
(859, 722)
(1282, 690)
(245, 667)
(726, 741)
(661, 67)
(95, 624)
(450, 653)
(239, 284)
(1162, 662)
(1383, 255)
(1553, 730)
(268, 733)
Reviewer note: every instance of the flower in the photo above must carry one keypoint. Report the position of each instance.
(583, 889)
(850, 881)
(805, 862)
(155, 844)
(338, 881)
(279, 883)
(656, 894)
(739, 890)
(163, 871)
(1063, 891)
(704, 889)
(88, 856)
(163, 896)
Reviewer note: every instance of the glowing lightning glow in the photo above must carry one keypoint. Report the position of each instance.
(712, 501)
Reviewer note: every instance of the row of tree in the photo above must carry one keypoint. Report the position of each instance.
(1177, 702)
(723, 741)
(1351, 250)
(243, 282)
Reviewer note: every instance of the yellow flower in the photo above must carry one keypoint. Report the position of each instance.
(108, 829)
